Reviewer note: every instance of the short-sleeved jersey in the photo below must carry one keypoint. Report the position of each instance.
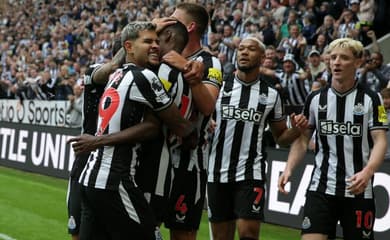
(127, 94)
(153, 170)
(198, 157)
(92, 94)
(342, 122)
(242, 112)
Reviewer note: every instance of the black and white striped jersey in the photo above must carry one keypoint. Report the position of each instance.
(242, 112)
(343, 122)
(198, 157)
(297, 89)
(153, 170)
(92, 94)
(128, 93)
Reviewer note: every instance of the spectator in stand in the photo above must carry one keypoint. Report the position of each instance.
(227, 67)
(326, 76)
(315, 66)
(285, 28)
(294, 85)
(371, 75)
(74, 111)
(386, 103)
(366, 12)
(345, 26)
(327, 28)
(277, 11)
(228, 45)
(214, 43)
(295, 44)
(237, 23)
(309, 28)
(319, 45)
(267, 34)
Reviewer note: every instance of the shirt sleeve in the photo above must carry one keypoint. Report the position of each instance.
(149, 90)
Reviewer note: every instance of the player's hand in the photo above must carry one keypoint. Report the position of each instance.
(161, 23)
(212, 126)
(193, 72)
(283, 180)
(190, 141)
(299, 121)
(83, 143)
(358, 182)
(371, 34)
(175, 59)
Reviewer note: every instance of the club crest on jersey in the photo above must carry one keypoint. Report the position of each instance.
(263, 99)
(358, 109)
(156, 84)
(306, 224)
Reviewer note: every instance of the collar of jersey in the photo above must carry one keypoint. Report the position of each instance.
(347, 92)
(195, 54)
(129, 64)
(246, 83)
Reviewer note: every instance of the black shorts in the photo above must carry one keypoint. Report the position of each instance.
(186, 201)
(74, 194)
(231, 201)
(159, 206)
(117, 215)
(322, 212)
(153, 175)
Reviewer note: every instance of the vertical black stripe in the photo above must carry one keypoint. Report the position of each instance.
(255, 136)
(340, 168)
(225, 100)
(238, 132)
(93, 176)
(323, 102)
(357, 141)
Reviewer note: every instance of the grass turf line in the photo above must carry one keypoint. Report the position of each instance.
(33, 207)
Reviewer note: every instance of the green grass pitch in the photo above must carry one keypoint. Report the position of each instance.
(33, 207)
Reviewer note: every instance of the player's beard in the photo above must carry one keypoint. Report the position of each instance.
(246, 69)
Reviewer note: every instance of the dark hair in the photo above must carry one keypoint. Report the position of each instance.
(180, 34)
(131, 30)
(198, 14)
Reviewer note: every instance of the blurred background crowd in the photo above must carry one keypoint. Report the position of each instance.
(46, 46)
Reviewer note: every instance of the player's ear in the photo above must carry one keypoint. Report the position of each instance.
(128, 45)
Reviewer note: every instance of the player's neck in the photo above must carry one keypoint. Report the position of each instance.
(192, 47)
(248, 77)
(343, 86)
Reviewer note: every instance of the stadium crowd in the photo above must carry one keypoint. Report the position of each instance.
(46, 46)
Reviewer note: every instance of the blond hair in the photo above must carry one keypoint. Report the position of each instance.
(347, 43)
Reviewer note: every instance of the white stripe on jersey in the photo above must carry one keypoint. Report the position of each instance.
(128, 204)
(253, 114)
(349, 130)
(112, 164)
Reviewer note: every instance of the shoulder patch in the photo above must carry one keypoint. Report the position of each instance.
(215, 74)
(382, 116)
